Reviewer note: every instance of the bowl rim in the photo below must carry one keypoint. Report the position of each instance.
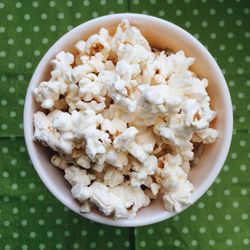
(197, 194)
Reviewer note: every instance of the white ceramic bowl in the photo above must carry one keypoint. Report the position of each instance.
(160, 34)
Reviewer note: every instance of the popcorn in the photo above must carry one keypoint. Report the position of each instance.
(75, 175)
(59, 162)
(49, 92)
(124, 121)
(48, 135)
(98, 43)
(62, 66)
(113, 177)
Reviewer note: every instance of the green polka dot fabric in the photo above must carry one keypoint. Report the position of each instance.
(31, 218)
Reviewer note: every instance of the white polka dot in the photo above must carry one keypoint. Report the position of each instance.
(35, 4)
(2, 54)
(50, 234)
(218, 204)
(94, 14)
(212, 11)
(6, 199)
(84, 233)
(234, 180)
(161, 13)
(196, 35)
(167, 230)
(69, 27)
(211, 242)
(228, 217)
(76, 245)
(14, 186)
(103, 2)
(229, 242)
(222, 47)
(246, 10)
(110, 244)
(32, 235)
(244, 216)
(60, 16)
(126, 244)
(243, 192)
(23, 198)
(37, 53)
(201, 205)
(11, 65)
(194, 243)
(58, 246)
(52, 3)
(49, 209)
(142, 243)
(44, 16)
(27, 17)
(92, 244)
(219, 229)
(176, 218)
(53, 28)
(4, 102)
(67, 233)
(177, 243)
(20, 77)
(28, 65)
(32, 210)
(2, 29)
(209, 192)
(41, 246)
(218, 180)
(19, 53)
(11, 41)
(236, 229)
(204, 24)
(10, 17)
(18, 5)
(187, 24)
(246, 241)
(247, 34)
(242, 119)
(230, 35)
(178, 12)
(210, 217)
(243, 167)
(36, 28)
(227, 192)
(5, 174)
(193, 217)
(195, 12)
(234, 155)
(86, 2)
(69, 3)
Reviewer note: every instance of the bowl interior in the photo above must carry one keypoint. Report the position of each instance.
(160, 34)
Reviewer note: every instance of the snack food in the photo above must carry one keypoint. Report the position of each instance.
(123, 120)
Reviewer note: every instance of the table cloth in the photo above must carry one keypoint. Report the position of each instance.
(31, 218)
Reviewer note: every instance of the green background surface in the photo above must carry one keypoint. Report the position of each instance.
(31, 218)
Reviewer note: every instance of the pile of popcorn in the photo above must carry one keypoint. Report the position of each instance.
(123, 120)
